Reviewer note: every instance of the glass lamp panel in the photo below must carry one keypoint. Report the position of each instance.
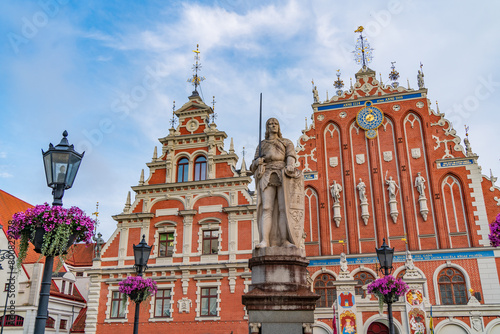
(48, 168)
(73, 165)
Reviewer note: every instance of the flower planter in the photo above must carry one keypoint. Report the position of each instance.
(38, 240)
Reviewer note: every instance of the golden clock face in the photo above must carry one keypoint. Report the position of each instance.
(369, 117)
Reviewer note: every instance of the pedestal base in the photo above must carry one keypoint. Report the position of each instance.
(279, 300)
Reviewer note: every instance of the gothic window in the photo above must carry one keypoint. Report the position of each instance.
(117, 309)
(13, 320)
(200, 168)
(51, 323)
(183, 170)
(162, 303)
(210, 242)
(452, 287)
(166, 244)
(208, 302)
(362, 278)
(324, 286)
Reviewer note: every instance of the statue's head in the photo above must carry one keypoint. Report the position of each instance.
(272, 121)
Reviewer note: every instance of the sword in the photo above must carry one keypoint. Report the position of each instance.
(260, 127)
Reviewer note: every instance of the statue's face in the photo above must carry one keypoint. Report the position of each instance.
(273, 125)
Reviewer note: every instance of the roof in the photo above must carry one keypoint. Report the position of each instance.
(80, 255)
(8, 206)
(79, 324)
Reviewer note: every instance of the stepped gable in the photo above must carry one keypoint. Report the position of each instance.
(412, 138)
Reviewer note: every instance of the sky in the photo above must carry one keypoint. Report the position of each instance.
(109, 72)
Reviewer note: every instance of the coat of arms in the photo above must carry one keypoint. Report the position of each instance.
(334, 161)
(360, 159)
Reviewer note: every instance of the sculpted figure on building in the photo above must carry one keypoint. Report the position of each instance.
(280, 190)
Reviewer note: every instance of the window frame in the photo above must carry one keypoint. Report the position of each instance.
(166, 242)
(183, 169)
(210, 240)
(323, 301)
(120, 307)
(200, 168)
(50, 323)
(18, 321)
(359, 286)
(443, 295)
(209, 298)
(63, 324)
(165, 301)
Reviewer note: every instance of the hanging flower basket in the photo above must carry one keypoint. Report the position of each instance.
(51, 229)
(495, 232)
(136, 288)
(388, 289)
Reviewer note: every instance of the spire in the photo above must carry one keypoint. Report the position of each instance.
(408, 80)
(155, 154)
(214, 115)
(363, 51)
(231, 146)
(141, 179)
(127, 207)
(306, 123)
(243, 164)
(338, 83)
(394, 75)
(196, 80)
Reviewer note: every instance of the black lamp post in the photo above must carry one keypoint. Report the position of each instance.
(385, 256)
(141, 256)
(61, 165)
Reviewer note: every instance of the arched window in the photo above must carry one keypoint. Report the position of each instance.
(452, 287)
(13, 320)
(324, 286)
(401, 274)
(200, 168)
(362, 278)
(182, 170)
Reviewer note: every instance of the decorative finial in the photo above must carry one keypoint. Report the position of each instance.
(141, 179)
(96, 214)
(243, 152)
(231, 146)
(338, 83)
(408, 81)
(127, 204)
(351, 83)
(306, 122)
(327, 95)
(173, 121)
(394, 75)
(155, 154)
(362, 51)
(420, 77)
(214, 115)
(196, 80)
(380, 78)
(466, 130)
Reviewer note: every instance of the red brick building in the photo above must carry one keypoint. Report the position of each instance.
(400, 172)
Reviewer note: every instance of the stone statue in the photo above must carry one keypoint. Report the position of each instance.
(362, 191)
(391, 187)
(343, 262)
(335, 190)
(99, 241)
(419, 184)
(420, 79)
(280, 190)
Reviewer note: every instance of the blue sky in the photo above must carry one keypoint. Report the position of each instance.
(109, 71)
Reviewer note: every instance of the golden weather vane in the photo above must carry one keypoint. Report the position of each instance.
(196, 79)
(96, 214)
(362, 52)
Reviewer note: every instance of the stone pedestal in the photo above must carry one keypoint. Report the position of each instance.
(279, 300)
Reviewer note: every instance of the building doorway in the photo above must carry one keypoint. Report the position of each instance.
(377, 328)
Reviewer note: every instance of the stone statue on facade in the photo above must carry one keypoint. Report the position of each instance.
(280, 190)
(419, 184)
(362, 191)
(335, 190)
(391, 187)
(99, 241)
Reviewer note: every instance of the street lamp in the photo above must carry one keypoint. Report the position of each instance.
(61, 165)
(141, 257)
(385, 256)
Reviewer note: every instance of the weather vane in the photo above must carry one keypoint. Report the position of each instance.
(394, 75)
(96, 214)
(173, 121)
(362, 51)
(243, 152)
(338, 83)
(466, 130)
(196, 80)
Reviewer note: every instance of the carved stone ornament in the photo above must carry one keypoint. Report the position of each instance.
(334, 161)
(388, 156)
(396, 107)
(192, 125)
(343, 114)
(420, 104)
(415, 153)
(360, 159)
(320, 117)
(184, 305)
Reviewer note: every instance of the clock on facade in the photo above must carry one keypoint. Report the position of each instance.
(369, 118)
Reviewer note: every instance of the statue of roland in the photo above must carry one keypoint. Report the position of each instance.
(280, 191)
